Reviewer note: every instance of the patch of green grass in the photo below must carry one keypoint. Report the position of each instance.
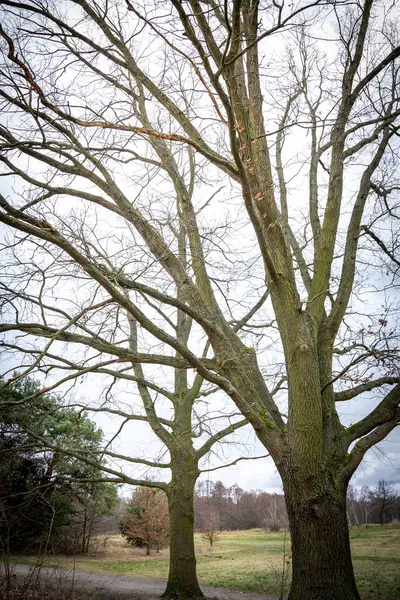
(257, 571)
(377, 579)
(253, 561)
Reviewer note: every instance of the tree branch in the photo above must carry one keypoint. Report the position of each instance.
(364, 387)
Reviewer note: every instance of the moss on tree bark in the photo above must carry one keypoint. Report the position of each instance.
(182, 576)
(321, 556)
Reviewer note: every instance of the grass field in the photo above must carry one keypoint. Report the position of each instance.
(252, 560)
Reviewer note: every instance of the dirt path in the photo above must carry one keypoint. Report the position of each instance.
(119, 587)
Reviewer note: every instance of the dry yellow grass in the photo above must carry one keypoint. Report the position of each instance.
(251, 560)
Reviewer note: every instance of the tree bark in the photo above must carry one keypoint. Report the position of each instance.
(321, 556)
(182, 577)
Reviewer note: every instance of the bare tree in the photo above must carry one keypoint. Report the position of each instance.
(366, 499)
(157, 157)
(209, 531)
(274, 520)
(385, 500)
(238, 509)
(189, 425)
(352, 505)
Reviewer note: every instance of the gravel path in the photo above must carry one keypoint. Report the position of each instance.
(118, 587)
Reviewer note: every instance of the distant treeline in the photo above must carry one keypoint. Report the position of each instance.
(232, 508)
(379, 504)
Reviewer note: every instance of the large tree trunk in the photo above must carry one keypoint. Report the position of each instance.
(182, 578)
(321, 558)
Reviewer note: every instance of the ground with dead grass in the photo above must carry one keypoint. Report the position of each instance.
(252, 560)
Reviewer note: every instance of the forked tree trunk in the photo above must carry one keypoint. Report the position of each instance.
(321, 558)
(182, 577)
